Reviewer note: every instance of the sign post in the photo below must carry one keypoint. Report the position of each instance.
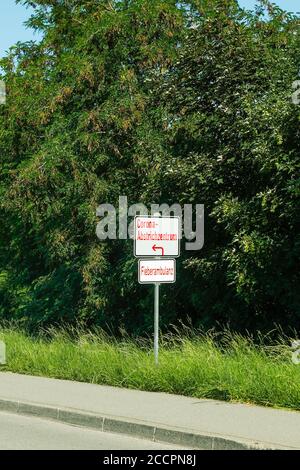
(156, 321)
(156, 238)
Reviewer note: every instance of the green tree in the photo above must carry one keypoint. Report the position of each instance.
(235, 137)
(160, 101)
(74, 126)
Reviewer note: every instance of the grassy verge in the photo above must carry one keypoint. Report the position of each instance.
(195, 365)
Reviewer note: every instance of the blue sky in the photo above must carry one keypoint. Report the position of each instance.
(12, 19)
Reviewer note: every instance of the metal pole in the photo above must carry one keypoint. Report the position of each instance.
(156, 311)
(156, 321)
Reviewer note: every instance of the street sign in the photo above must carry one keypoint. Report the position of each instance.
(157, 271)
(157, 236)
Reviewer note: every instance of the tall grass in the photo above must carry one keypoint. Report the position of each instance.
(226, 367)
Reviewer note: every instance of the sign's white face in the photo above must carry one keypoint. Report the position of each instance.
(156, 236)
(157, 270)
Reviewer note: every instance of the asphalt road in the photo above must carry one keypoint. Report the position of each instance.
(26, 433)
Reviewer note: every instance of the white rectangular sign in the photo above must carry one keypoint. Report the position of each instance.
(157, 236)
(157, 270)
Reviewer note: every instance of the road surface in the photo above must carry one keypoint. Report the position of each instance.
(19, 432)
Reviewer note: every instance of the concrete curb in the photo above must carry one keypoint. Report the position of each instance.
(132, 428)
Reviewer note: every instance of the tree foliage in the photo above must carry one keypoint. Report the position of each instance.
(160, 101)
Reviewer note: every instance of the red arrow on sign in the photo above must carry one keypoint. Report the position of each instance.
(154, 248)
